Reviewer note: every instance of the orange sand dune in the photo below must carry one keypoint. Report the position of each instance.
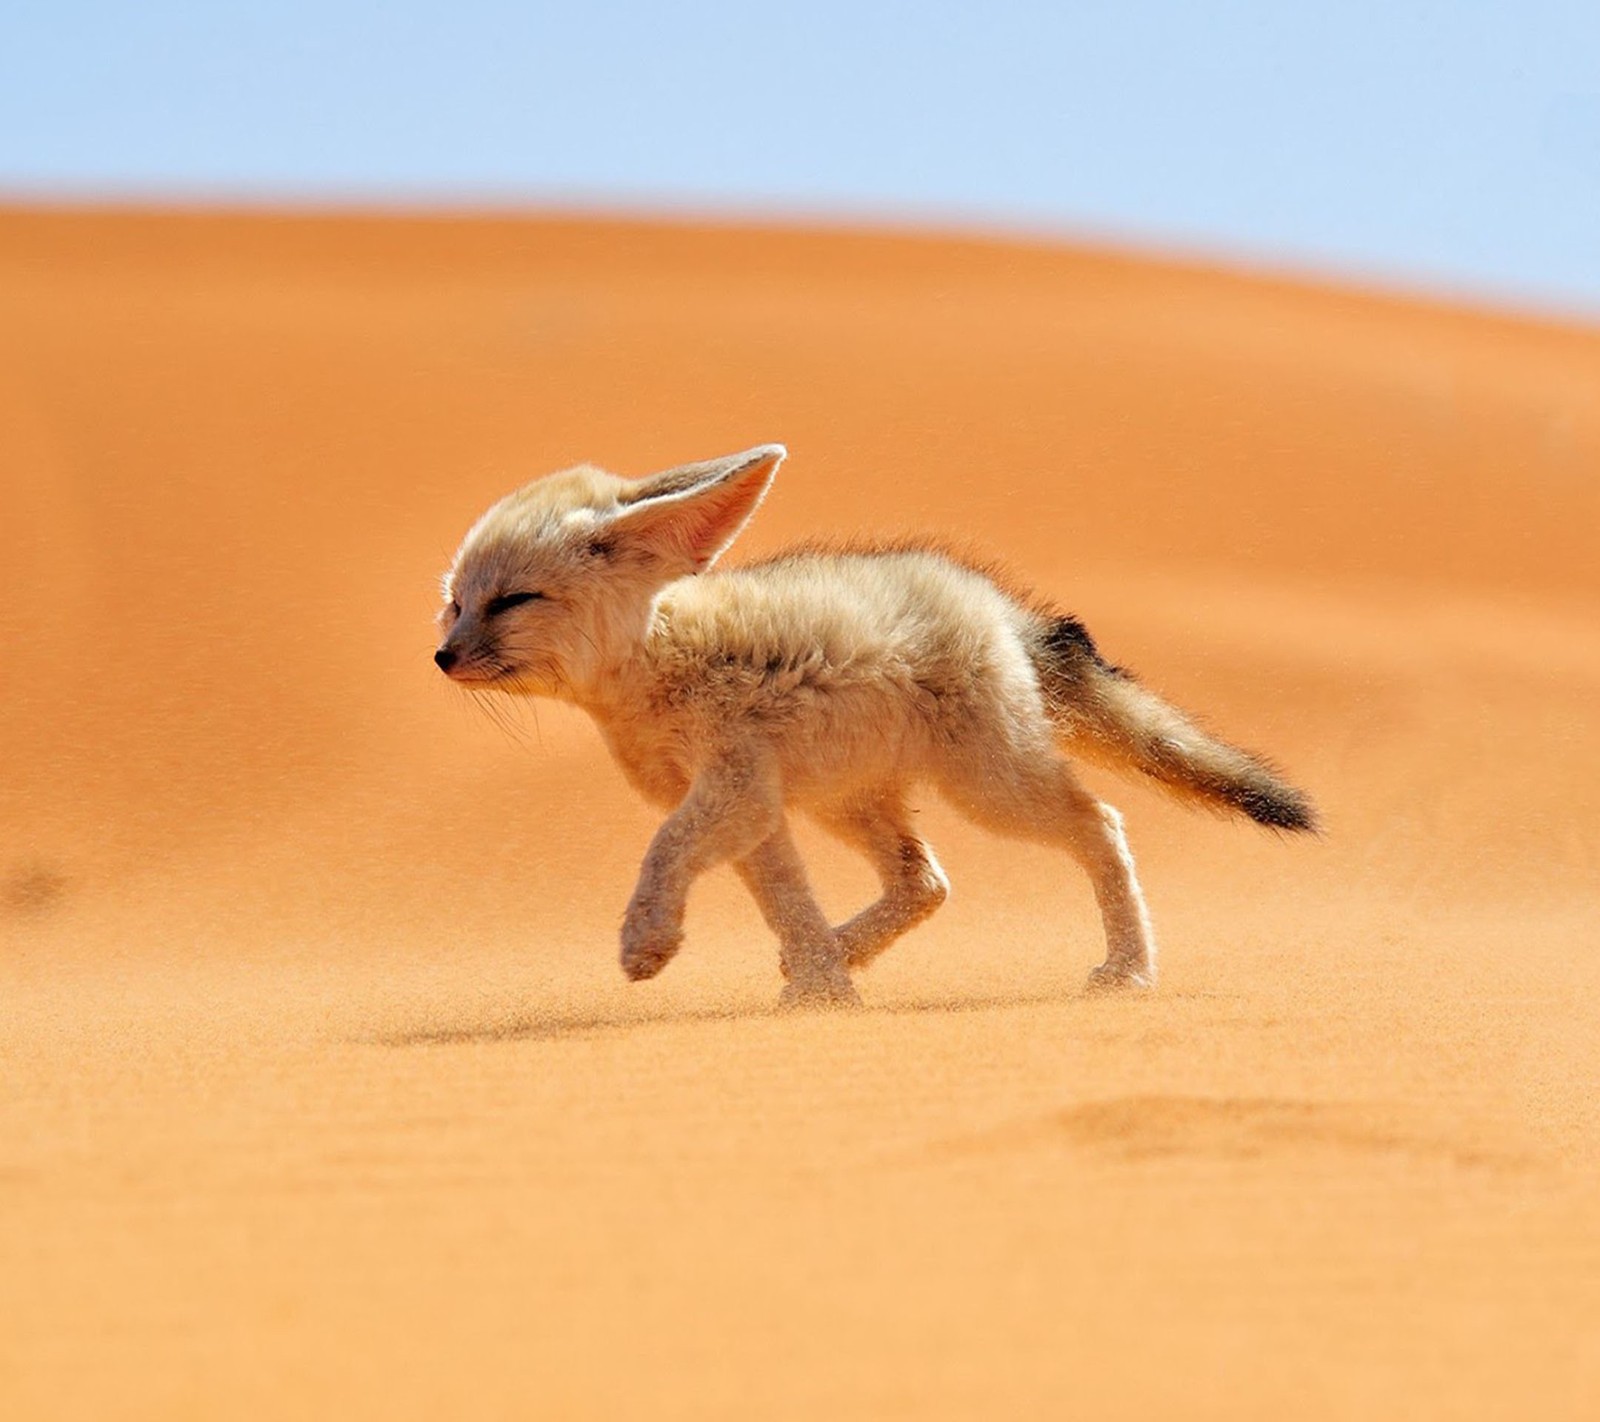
(320, 1092)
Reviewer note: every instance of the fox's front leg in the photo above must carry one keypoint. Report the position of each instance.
(732, 806)
(813, 957)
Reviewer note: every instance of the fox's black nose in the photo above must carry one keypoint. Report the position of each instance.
(445, 658)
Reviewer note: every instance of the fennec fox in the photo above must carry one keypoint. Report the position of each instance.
(827, 682)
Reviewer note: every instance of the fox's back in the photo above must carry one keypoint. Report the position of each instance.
(844, 657)
(836, 617)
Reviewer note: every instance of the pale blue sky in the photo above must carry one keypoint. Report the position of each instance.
(1452, 144)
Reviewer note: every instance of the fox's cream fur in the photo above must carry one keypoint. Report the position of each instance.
(829, 682)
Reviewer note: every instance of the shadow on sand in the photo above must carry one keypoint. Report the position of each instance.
(562, 1025)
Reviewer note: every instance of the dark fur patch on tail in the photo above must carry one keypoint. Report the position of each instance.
(1066, 638)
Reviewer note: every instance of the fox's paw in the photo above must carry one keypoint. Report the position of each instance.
(811, 990)
(646, 947)
(644, 959)
(1111, 978)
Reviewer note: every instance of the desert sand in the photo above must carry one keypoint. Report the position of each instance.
(321, 1093)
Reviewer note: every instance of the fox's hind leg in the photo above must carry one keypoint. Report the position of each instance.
(1035, 795)
(810, 953)
(913, 883)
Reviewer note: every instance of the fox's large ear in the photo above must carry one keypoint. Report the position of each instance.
(687, 517)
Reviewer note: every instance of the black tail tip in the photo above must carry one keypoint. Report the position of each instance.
(1281, 808)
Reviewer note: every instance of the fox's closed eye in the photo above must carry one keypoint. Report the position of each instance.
(506, 601)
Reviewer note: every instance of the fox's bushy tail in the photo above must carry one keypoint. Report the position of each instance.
(1103, 715)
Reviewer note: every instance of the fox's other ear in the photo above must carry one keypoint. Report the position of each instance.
(688, 516)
